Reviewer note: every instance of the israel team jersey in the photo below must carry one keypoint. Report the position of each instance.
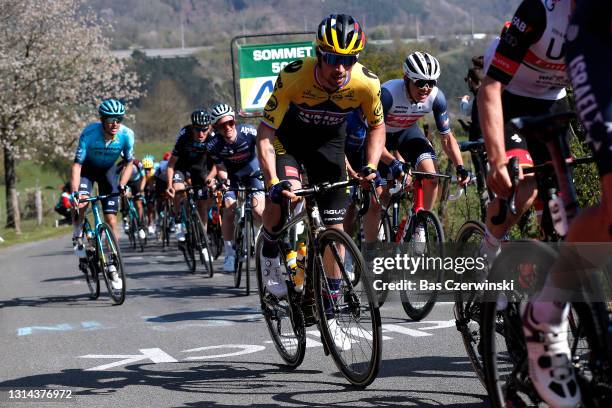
(94, 151)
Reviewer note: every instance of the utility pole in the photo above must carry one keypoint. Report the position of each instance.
(182, 31)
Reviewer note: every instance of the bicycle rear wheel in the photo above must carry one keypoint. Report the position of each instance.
(89, 266)
(187, 247)
(349, 318)
(110, 255)
(418, 304)
(468, 304)
(284, 319)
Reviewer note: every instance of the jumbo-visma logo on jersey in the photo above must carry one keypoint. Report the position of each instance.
(322, 118)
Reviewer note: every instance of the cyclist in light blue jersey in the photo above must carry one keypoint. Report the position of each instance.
(100, 145)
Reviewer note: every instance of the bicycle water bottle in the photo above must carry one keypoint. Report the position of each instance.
(291, 262)
(557, 213)
(301, 267)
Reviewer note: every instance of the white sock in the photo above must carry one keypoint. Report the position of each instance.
(549, 312)
(77, 230)
(549, 305)
(228, 249)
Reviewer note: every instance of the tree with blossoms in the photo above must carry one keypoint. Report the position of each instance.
(55, 68)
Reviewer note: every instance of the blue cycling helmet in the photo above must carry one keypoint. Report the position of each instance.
(111, 107)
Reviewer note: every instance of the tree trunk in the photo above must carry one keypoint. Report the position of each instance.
(13, 218)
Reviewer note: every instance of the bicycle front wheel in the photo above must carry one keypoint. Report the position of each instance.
(202, 244)
(349, 318)
(284, 319)
(111, 263)
(468, 304)
(239, 252)
(503, 345)
(418, 304)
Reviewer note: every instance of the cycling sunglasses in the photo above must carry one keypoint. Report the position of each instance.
(339, 59)
(112, 119)
(230, 123)
(201, 128)
(422, 83)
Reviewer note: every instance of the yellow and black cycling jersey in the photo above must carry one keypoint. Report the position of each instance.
(299, 101)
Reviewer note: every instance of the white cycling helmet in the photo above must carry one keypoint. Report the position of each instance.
(421, 65)
(221, 110)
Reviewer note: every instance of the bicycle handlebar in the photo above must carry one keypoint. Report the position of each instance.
(324, 187)
(98, 198)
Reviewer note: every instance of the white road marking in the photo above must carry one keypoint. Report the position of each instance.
(242, 349)
(156, 355)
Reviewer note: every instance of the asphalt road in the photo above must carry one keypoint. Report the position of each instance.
(183, 340)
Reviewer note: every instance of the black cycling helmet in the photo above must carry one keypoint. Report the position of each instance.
(200, 117)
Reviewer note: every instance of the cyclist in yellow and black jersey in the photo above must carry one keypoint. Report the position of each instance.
(302, 127)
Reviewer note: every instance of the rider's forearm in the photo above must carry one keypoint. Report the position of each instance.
(266, 153)
(492, 119)
(170, 170)
(375, 143)
(386, 156)
(75, 177)
(349, 169)
(451, 148)
(126, 174)
(213, 172)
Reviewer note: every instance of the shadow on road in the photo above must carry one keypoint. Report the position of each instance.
(232, 383)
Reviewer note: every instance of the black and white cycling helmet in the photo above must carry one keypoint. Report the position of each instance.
(421, 65)
(221, 110)
(200, 117)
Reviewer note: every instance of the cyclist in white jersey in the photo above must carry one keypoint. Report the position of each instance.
(405, 101)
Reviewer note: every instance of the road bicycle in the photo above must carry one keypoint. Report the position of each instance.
(422, 230)
(348, 318)
(215, 222)
(165, 221)
(244, 229)
(196, 241)
(527, 262)
(133, 223)
(101, 251)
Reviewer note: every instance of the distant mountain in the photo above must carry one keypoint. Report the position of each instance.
(157, 23)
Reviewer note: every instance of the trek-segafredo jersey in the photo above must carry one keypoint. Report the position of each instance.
(95, 151)
(401, 112)
(530, 57)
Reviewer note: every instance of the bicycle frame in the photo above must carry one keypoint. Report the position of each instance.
(98, 219)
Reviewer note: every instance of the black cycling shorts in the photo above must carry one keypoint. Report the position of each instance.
(107, 183)
(197, 181)
(529, 151)
(332, 205)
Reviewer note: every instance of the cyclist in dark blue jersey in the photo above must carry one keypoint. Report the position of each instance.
(188, 162)
(354, 148)
(100, 145)
(233, 151)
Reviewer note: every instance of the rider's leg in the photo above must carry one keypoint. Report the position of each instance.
(371, 220)
(430, 186)
(227, 228)
(495, 233)
(259, 204)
